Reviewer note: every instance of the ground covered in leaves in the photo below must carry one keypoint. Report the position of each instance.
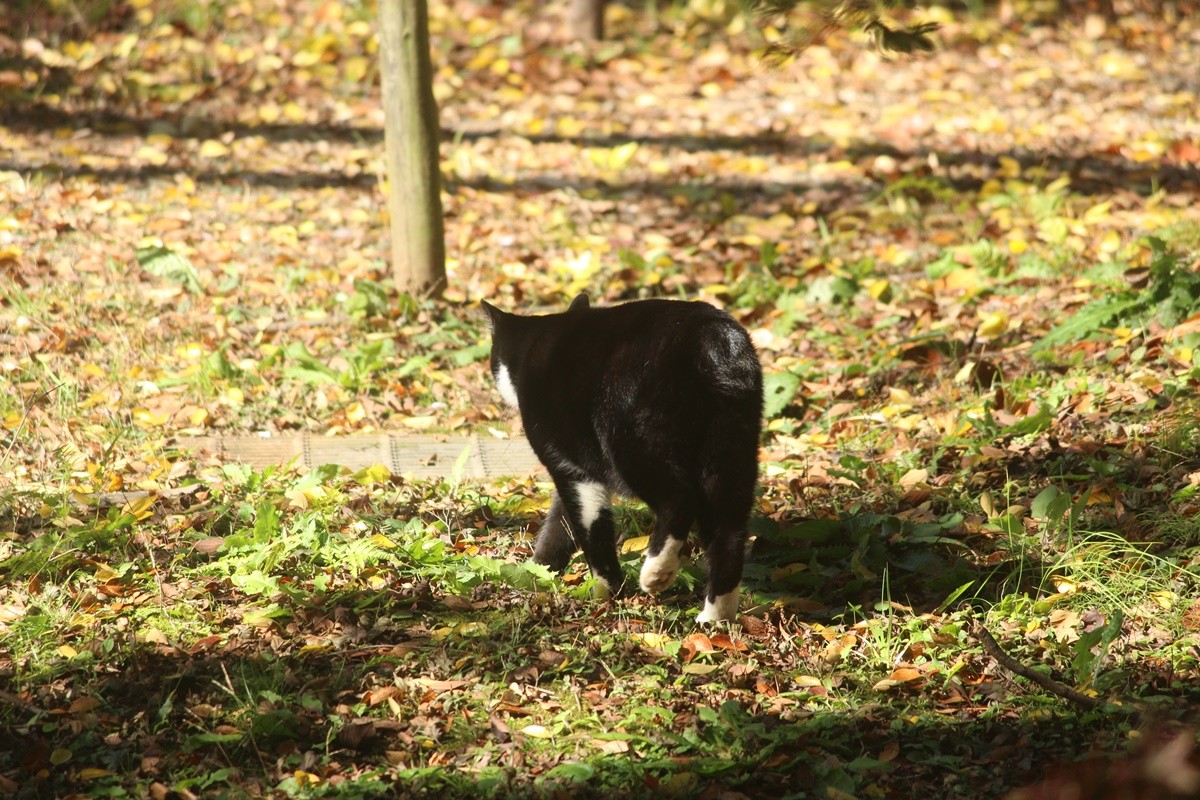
(972, 278)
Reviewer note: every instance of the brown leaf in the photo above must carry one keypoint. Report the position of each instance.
(209, 545)
(200, 645)
(723, 641)
(695, 643)
(889, 751)
(376, 696)
(499, 728)
(441, 686)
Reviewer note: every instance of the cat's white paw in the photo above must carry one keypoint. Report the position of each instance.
(724, 608)
(659, 571)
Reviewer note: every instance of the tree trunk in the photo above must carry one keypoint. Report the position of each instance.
(411, 133)
(586, 19)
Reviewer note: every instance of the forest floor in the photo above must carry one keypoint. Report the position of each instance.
(973, 278)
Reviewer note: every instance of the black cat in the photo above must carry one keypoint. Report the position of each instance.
(657, 399)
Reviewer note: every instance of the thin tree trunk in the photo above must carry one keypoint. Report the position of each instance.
(586, 19)
(411, 139)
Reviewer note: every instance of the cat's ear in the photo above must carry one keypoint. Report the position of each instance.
(494, 314)
(580, 302)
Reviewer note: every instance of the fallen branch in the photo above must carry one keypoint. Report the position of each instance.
(17, 701)
(993, 649)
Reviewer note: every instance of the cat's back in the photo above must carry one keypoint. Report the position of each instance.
(661, 318)
(670, 336)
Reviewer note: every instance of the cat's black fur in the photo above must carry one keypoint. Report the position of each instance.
(658, 399)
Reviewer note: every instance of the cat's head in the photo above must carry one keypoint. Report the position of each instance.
(502, 340)
(507, 343)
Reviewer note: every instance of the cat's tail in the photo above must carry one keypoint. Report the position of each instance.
(727, 359)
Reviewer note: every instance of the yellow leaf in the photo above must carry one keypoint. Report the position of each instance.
(420, 422)
(988, 505)
(993, 325)
(196, 416)
(483, 56)
(376, 473)
(151, 155)
(1163, 599)
(66, 651)
(622, 154)
(1065, 585)
(1009, 167)
(233, 396)
(965, 373)
(1098, 212)
(963, 280)
(1110, 242)
(1017, 245)
(60, 756)
(300, 498)
(635, 544)
(140, 508)
(569, 127)
(655, 640)
(306, 778)
(191, 351)
(880, 290)
(269, 113)
(382, 542)
(284, 234)
(466, 629)
(149, 419)
(1120, 65)
(356, 68)
(536, 731)
(211, 148)
(900, 402)
(306, 58)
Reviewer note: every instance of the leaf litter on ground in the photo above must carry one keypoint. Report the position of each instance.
(970, 276)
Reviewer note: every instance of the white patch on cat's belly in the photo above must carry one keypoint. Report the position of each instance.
(593, 498)
(725, 607)
(660, 571)
(505, 385)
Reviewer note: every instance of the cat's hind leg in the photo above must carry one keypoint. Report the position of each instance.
(555, 545)
(588, 508)
(662, 563)
(725, 548)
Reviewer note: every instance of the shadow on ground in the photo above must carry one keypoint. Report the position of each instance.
(1090, 173)
(243, 720)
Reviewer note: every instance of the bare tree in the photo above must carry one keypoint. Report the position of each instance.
(586, 19)
(411, 140)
